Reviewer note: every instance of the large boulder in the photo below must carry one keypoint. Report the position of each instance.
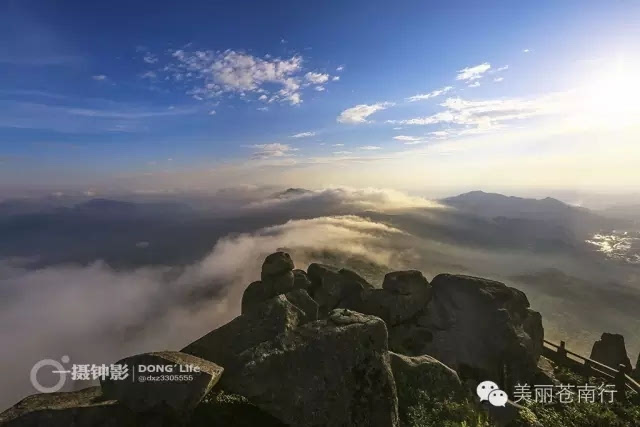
(193, 379)
(332, 372)
(611, 351)
(481, 328)
(332, 287)
(404, 294)
(83, 408)
(429, 392)
(276, 264)
(260, 324)
(277, 277)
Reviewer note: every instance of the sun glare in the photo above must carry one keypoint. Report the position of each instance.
(611, 98)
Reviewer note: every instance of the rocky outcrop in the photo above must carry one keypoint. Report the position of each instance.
(636, 373)
(479, 327)
(83, 408)
(276, 278)
(611, 351)
(330, 372)
(332, 287)
(262, 323)
(313, 348)
(403, 295)
(180, 396)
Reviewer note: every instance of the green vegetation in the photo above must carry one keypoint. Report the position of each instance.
(586, 414)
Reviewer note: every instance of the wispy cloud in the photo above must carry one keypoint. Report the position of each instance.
(473, 73)
(151, 75)
(474, 84)
(409, 140)
(432, 94)
(150, 58)
(482, 115)
(360, 113)
(101, 116)
(276, 149)
(303, 135)
(99, 77)
(370, 147)
(498, 79)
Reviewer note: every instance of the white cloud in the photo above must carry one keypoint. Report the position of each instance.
(212, 112)
(338, 145)
(150, 58)
(263, 108)
(316, 78)
(216, 73)
(406, 138)
(265, 151)
(303, 135)
(370, 147)
(335, 78)
(498, 79)
(474, 84)
(341, 153)
(359, 113)
(473, 73)
(498, 70)
(99, 77)
(431, 94)
(319, 88)
(525, 51)
(340, 68)
(149, 75)
(483, 115)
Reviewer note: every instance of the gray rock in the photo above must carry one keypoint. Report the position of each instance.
(301, 299)
(277, 278)
(410, 282)
(267, 320)
(254, 294)
(332, 372)
(333, 288)
(636, 373)
(611, 351)
(194, 378)
(82, 408)
(545, 373)
(423, 382)
(425, 372)
(404, 294)
(276, 264)
(301, 280)
(479, 327)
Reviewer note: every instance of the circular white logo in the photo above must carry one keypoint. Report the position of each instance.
(58, 369)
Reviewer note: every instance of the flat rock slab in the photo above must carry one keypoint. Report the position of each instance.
(168, 379)
(83, 408)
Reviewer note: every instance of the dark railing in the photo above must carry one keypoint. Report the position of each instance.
(590, 368)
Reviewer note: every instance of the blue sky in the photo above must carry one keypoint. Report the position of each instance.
(208, 93)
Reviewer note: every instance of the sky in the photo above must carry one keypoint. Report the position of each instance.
(411, 95)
